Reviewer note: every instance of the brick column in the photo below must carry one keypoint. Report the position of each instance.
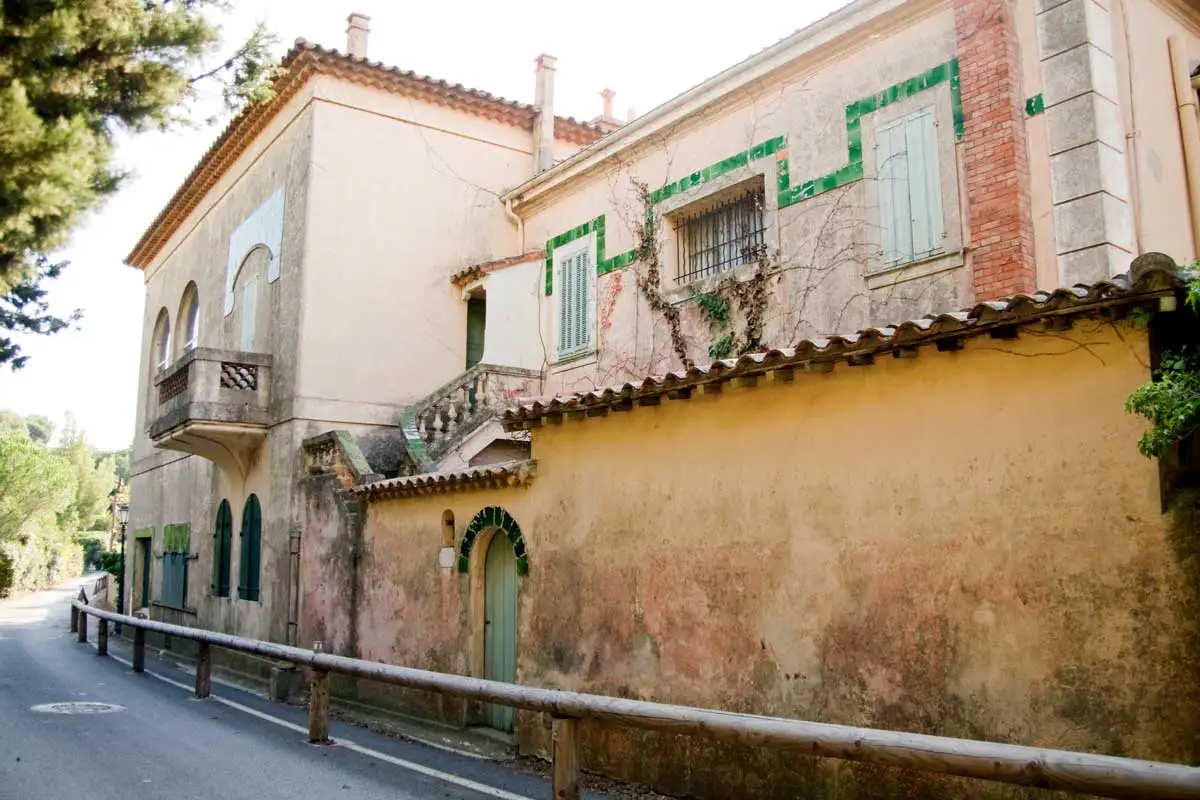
(1000, 235)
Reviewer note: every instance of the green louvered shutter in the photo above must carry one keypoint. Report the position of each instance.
(222, 552)
(251, 555)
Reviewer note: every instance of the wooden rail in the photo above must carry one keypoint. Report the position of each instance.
(1105, 776)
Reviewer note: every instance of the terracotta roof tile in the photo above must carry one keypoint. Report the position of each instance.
(1151, 276)
(302, 62)
(479, 270)
(508, 473)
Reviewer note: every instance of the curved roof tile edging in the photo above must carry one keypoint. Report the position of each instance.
(301, 62)
(1151, 275)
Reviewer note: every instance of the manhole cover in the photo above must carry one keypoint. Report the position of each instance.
(77, 708)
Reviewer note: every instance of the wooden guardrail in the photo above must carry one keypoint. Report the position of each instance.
(1105, 776)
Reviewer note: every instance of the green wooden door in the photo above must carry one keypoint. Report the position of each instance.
(500, 623)
(146, 562)
(476, 323)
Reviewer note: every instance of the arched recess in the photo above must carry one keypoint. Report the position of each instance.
(187, 321)
(160, 346)
(493, 516)
(249, 327)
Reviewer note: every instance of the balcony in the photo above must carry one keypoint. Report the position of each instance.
(213, 403)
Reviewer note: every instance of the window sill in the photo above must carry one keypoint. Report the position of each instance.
(575, 361)
(682, 292)
(912, 270)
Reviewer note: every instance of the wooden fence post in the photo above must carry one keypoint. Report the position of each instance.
(102, 638)
(139, 649)
(204, 670)
(566, 758)
(83, 626)
(74, 619)
(318, 706)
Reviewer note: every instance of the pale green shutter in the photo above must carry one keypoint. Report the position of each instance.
(910, 189)
(574, 288)
(583, 263)
(925, 191)
(895, 222)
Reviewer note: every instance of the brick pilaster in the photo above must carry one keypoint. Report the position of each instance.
(1000, 235)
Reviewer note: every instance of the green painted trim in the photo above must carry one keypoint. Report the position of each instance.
(853, 171)
(493, 516)
(606, 265)
(1035, 105)
(144, 533)
(177, 538)
(787, 193)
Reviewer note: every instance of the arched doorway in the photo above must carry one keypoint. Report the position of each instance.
(500, 623)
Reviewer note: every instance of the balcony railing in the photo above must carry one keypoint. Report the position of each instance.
(212, 401)
(435, 424)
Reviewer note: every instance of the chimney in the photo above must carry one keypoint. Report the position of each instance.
(630, 115)
(356, 34)
(608, 95)
(543, 126)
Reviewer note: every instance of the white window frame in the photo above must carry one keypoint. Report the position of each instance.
(583, 245)
(924, 237)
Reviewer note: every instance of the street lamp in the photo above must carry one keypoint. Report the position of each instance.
(123, 518)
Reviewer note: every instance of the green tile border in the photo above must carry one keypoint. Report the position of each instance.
(853, 171)
(143, 533)
(493, 516)
(787, 193)
(1035, 105)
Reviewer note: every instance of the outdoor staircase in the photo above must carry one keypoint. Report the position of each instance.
(449, 426)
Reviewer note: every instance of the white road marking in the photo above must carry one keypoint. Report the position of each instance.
(447, 777)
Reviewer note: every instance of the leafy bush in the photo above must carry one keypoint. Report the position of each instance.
(92, 547)
(112, 563)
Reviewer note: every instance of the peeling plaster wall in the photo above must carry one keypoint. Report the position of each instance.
(169, 487)
(830, 242)
(846, 548)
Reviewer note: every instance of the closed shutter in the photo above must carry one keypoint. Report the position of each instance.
(574, 303)
(925, 190)
(222, 550)
(909, 182)
(250, 565)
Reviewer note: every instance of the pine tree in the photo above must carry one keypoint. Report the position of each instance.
(72, 74)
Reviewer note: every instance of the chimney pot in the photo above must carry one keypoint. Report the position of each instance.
(543, 130)
(608, 95)
(357, 29)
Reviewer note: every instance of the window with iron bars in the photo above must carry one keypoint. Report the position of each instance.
(721, 238)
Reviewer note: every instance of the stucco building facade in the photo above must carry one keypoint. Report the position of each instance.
(298, 478)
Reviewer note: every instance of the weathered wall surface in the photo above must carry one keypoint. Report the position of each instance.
(966, 543)
(171, 487)
(1158, 178)
(826, 274)
(403, 197)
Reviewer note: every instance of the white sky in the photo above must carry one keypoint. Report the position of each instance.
(647, 51)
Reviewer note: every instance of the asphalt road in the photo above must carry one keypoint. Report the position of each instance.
(162, 743)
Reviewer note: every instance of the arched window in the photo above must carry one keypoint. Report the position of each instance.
(222, 550)
(251, 558)
(189, 319)
(162, 340)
